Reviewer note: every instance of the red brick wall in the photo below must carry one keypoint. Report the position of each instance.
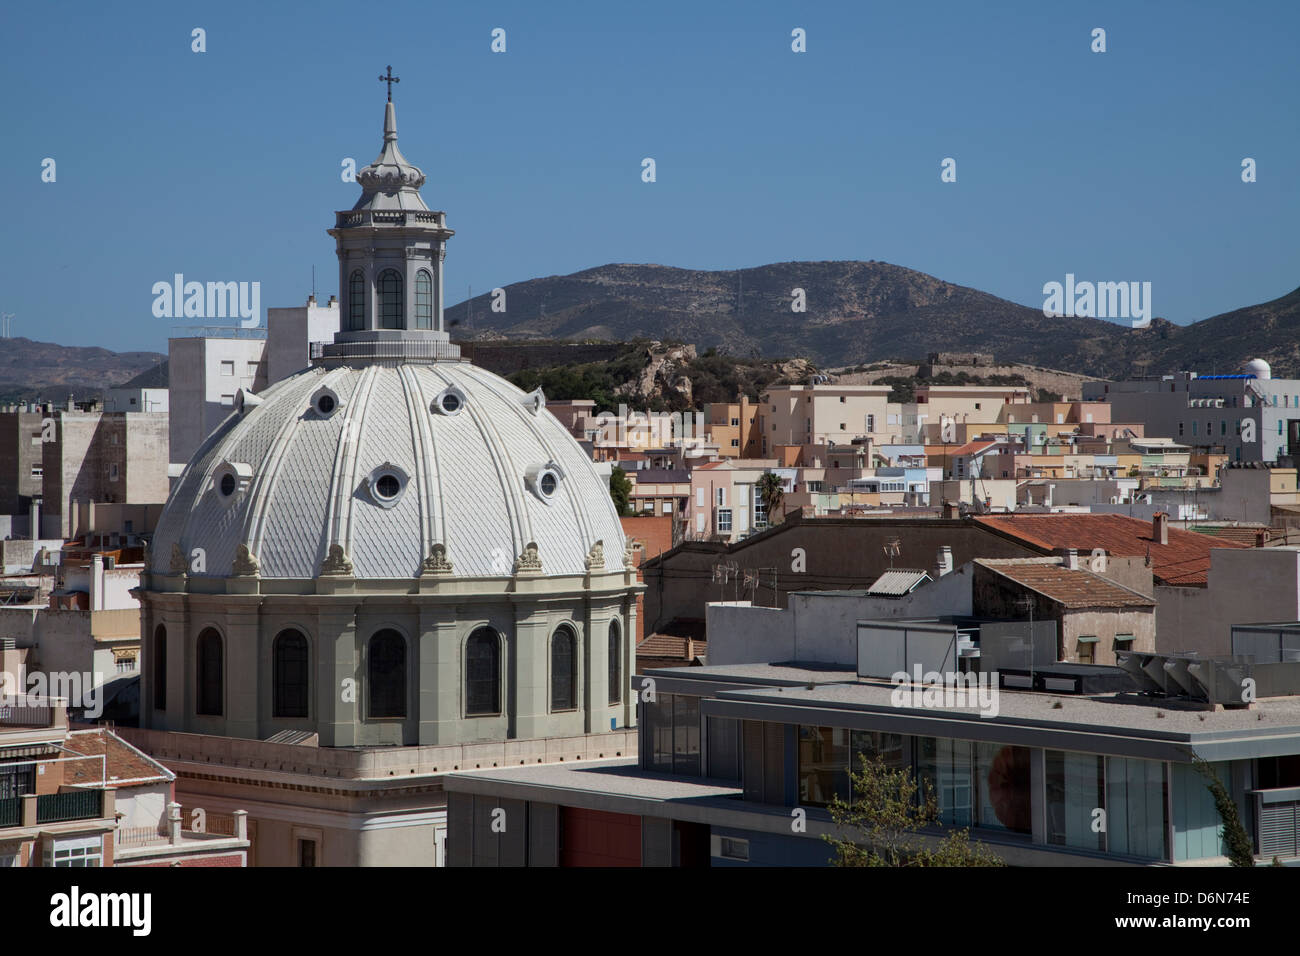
(655, 532)
(229, 860)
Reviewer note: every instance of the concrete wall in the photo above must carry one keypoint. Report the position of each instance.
(812, 554)
(198, 390)
(823, 627)
(290, 333)
(117, 457)
(1245, 586)
(20, 448)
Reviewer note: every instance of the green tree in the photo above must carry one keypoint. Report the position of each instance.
(1240, 850)
(620, 489)
(772, 495)
(888, 809)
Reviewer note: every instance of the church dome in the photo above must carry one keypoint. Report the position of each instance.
(389, 472)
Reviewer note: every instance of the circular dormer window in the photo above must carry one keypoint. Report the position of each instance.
(387, 485)
(544, 480)
(325, 401)
(228, 485)
(450, 401)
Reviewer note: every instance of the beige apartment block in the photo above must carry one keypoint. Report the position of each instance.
(827, 414)
(983, 404)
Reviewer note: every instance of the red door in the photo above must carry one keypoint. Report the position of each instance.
(597, 838)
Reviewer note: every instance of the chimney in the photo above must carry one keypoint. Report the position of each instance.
(1072, 559)
(311, 299)
(1160, 527)
(333, 303)
(944, 563)
(174, 823)
(952, 509)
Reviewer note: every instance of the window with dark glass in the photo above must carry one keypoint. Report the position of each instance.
(160, 668)
(823, 764)
(306, 852)
(563, 670)
(387, 671)
(289, 667)
(357, 301)
(210, 678)
(390, 299)
(615, 664)
(423, 300)
(483, 673)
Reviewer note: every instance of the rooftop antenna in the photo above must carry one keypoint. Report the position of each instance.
(891, 549)
(313, 282)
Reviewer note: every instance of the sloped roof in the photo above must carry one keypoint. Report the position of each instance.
(897, 582)
(124, 765)
(155, 377)
(1073, 589)
(973, 447)
(1184, 561)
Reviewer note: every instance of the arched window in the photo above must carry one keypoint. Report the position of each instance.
(563, 670)
(615, 664)
(356, 302)
(483, 673)
(387, 665)
(390, 299)
(160, 668)
(289, 675)
(210, 677)
(423, 300)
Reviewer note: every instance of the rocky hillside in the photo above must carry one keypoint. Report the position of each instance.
(861, 312)
(42, 370)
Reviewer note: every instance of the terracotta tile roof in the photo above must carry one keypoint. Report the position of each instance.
(1073, 589)
(124, 763)
(973, 448)
(1185, 560)
(670, 640)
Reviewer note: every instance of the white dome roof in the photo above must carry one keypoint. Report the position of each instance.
(375, 471)
(1259, 368)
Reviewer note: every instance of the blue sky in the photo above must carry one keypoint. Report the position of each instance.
(224, 165)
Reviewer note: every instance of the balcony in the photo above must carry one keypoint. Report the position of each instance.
(71, 805)
(31, 811)
(26, 715)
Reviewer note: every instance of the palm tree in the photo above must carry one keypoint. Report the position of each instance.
(772, 495)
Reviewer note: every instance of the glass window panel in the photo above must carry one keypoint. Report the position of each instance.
(1002, 772)
(946, 765)
(823, 764)
(686, 735)
(1135, 808)
(1074, 787)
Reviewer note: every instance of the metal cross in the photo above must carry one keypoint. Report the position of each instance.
(390, 80)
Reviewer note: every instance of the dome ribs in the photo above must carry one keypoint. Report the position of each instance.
(432, 526)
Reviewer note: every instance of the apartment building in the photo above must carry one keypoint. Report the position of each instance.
(1248, 416)
(827, 414)
(111, 457)
(734, 428)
